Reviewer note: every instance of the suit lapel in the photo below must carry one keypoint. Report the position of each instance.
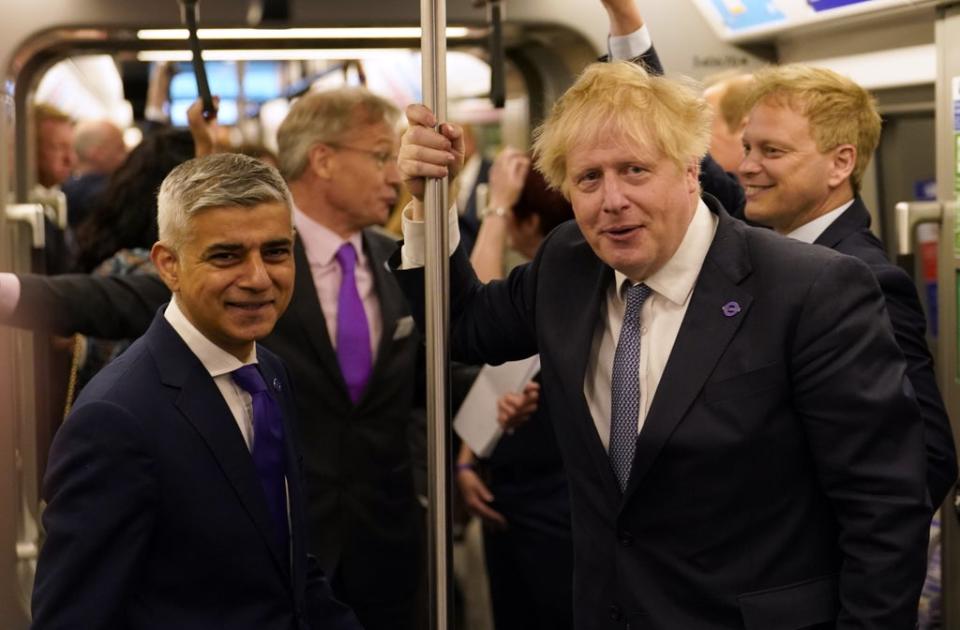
(305, 306)
(717, 308)
(577, 327)
(203, 406)
(392, 301)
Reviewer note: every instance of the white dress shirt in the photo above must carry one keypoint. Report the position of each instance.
(219, 364)
(810, 232)
(661, 315)
(321, 245)
(660, 320)
(631, 45)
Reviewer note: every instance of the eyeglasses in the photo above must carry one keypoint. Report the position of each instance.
(382, 158)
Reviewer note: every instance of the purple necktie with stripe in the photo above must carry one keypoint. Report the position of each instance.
(268, 447)
(353, 333)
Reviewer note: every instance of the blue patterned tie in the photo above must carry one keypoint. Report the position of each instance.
(268, 447)
(625, 399)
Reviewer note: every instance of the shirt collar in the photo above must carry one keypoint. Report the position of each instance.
(321, 243)
(215, 359)
(676, 279)
(810, 232)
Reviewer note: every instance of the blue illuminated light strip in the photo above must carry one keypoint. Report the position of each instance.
(826, 5)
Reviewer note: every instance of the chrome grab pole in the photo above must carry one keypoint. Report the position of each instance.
(433, 17)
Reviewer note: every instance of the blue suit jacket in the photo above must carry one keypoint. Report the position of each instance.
(156, 516)
(779, 478)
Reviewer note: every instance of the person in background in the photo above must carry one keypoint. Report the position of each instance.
(174, 491)
(56, 159)
(124, 217)
(116, 238)
(727, 95)
(520, 492)
(100, 151)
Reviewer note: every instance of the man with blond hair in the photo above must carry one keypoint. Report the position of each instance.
(733, 416)
(808, 141)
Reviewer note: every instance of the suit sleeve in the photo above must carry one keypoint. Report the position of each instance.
(490, 323)
(324, 611)
(101, 492)
(113, 307)
(909, 327)
(866, 439)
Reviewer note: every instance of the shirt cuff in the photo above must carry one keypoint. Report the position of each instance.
(414, 235)
(630, 46)
(9, 294)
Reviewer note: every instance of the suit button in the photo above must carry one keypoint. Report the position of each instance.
(625, 538)
(615, 613)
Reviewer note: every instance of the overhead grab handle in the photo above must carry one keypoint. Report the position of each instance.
(189, 14)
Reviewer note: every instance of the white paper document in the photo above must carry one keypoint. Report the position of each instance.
(476, 421)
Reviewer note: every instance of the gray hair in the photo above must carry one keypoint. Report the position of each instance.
(215, 181)
(324, 117)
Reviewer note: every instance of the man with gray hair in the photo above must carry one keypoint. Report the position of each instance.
(352, 350)
(347, 339)
(173, 488)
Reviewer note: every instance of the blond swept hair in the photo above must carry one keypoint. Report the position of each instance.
(323, 118)
(837, 109)
(622, 100)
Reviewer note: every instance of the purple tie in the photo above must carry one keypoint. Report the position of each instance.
(268, 447)
(353, 334)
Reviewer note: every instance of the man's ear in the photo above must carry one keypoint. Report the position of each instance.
(320, 160)
(168, 265)
(844, 161)
(692, 173)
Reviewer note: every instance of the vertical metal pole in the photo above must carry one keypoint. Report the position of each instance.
(433, 18)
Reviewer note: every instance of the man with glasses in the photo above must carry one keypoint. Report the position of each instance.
(352, 351)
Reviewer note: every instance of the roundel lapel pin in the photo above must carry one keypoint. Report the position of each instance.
(276, 385)
(731, 309)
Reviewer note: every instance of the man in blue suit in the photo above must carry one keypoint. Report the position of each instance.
(742, 444)
(173, 488)
(809, 139)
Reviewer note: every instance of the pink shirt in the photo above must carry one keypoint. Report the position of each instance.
(321, 245)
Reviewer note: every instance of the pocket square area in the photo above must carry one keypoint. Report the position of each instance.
(404, 327)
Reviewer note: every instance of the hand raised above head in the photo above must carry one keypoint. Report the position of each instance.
(507, 177)
(427, 152)
(624, 16)
(203, 130)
